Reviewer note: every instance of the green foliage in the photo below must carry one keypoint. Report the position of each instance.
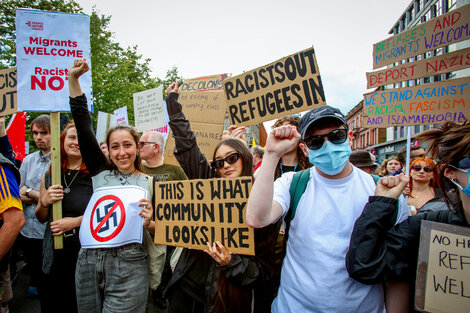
(117, 73)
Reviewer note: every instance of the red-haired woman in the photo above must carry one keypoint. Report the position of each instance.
(423, 194)
(57, 291)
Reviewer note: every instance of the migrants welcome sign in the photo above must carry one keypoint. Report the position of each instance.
(46, 45)
(421, 104)
(290, 85)
(8, 81)
(193, 212)
(443, 275)
(444, 30)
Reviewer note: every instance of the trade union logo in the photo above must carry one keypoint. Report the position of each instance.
(35, 25)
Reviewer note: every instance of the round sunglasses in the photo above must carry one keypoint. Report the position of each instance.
(418, 168)
(230, 159)
(337, 136)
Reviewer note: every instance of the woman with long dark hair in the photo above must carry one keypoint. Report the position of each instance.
(214, 280)
(57, 289)
(380, 252)
(111, 279)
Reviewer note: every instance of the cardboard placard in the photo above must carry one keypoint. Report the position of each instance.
(8, 100)
(47, 43)
(205, 83)
(438, 32)
(207, 135)
(448, 62)
(289, 85)
(422, 104)
(443, 274)
(191, 213)
(204, 106)
(149, 109)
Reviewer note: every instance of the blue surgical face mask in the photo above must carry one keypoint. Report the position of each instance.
(465, 190)
(330, 158)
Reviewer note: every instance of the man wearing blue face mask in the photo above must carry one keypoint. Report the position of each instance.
(314, 277)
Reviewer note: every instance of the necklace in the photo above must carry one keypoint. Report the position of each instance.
(124, 177)
(67, 186)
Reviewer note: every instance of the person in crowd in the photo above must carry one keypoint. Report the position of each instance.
(415, 152)
(362, 159)
(32, 170)
(104, 148)
(57, 292)
(389, 166)
(214, 280)
(151, 146)
(109, 279)
(423, 194)
(257, 153)
(381, 252)
(11, 222)
(320, 229)
(295, 159)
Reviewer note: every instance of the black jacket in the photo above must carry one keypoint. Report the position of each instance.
(243, 271)
(381, 252)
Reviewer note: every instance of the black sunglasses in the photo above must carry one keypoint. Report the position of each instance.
(418, 168)
(230, 159)
(337, 136)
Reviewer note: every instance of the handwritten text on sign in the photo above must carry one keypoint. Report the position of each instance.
(8, 91)
(442, 31)
(448, 272)
(428, 67)
(422, 104)
(206, 83)
(148, 109)
(292, 84)
(192, 213)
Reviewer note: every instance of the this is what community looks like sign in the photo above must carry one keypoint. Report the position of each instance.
(47, 43)
(112, 218)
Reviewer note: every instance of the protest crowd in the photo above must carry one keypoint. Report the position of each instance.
(334, 231)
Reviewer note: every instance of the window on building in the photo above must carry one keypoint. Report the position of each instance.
(402, 131)
(409, 15)
(451, 4)
(433, 11)
(395, 132)
(437, 78)
(416, 129)
(367, 141)
(427, 127)
(417, 6)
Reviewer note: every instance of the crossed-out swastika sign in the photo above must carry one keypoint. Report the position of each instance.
(107, 218)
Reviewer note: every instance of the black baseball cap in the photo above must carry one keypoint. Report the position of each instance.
(317, 114)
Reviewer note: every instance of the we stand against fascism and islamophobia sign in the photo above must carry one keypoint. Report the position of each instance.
(422, 104)
(443, 274)
(442, 31)
(47, 43)
(292, 84)
(194, 212)
(8, 91)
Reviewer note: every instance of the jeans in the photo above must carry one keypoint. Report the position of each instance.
(112, 279)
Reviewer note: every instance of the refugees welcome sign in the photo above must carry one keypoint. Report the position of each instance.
(46, 45)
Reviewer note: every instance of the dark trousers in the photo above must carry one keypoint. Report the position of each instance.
(32, 249)
(181, 302)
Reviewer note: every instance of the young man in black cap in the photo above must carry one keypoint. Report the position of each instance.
(314, 276)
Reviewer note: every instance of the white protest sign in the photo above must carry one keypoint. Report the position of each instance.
(105, 122)
(121, 116)
(111, 218)
(46, 45)
(149, 109)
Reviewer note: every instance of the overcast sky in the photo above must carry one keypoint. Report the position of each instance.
(211, 37)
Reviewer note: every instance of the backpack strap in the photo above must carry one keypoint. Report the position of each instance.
(297, 189)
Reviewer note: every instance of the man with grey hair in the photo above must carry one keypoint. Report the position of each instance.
(151, 145)
(257, 152)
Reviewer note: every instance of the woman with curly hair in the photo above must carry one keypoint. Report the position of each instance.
(389, 166)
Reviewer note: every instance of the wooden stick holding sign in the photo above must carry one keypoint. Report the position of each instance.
(191, 213)
(56, 173)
